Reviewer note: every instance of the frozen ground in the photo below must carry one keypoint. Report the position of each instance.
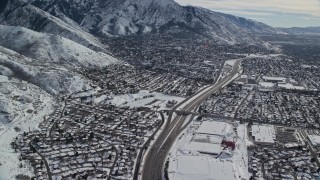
(199, 155)
(22, 107)
(145, 98)
(200, 167)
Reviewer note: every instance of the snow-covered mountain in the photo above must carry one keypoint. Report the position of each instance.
(125, 17)
(22, 13)
(47, 48)
(46, 60)
(53, 79)
(251, 25)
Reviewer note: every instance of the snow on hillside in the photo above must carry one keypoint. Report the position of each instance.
(22, 107)
(28, 83)
(26, 89)
(17, 13)
(138, 16)
(130, 16)
(76, 19)
(53, 79)
(51, 48)
(118, 18)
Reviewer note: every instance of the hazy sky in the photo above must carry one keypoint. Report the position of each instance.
(278, 13)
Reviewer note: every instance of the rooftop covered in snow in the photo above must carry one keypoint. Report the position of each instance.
(264, 134)
(212, 127)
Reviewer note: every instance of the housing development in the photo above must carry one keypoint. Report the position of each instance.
(152, 90)
(254, 119)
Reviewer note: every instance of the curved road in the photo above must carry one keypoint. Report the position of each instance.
(153, 167)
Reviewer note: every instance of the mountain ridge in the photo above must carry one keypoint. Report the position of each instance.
(50, 48)
(129, 17)
(24, 14)
(302, 30)
(46, 60)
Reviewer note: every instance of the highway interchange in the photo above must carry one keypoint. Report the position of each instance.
(153, 166)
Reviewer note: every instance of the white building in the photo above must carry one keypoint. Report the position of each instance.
(263, 134)
(315, 140)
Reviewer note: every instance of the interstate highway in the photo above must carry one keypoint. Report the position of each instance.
(153, 166)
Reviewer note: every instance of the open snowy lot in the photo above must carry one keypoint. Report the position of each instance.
(145, 99)
(194, 168)
(199, 153)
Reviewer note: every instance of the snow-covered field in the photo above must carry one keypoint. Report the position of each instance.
(231, 62)
(199, 167)
(145, 99)
(198, 154)
(22, 106)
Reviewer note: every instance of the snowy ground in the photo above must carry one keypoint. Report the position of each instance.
(231, 62)
(22, 106)
(144, 98)
(201, 156)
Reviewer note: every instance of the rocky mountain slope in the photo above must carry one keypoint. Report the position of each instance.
(125, 17)
(53, 79)
(44, 62)
(250, 25)
(47, 49)
(21, 13)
